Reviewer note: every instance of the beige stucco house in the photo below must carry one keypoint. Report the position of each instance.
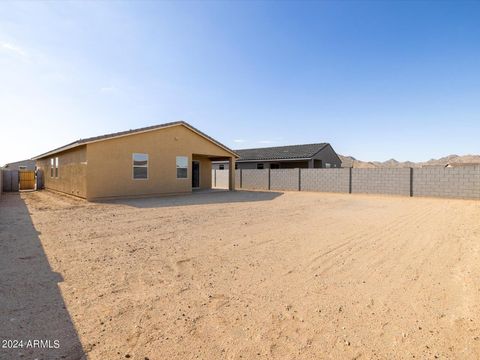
(170, 158)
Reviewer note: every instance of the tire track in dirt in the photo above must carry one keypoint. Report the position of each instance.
(364, 242)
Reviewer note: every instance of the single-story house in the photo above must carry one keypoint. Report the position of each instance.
(21, 165)
(319, 155)
(170, 158)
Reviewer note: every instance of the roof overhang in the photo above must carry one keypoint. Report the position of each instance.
(274, 160)
(58, 150)
(160, 127)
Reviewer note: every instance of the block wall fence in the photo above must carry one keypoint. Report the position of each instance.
(455, 182)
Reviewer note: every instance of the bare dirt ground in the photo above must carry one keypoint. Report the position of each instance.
(244, 275)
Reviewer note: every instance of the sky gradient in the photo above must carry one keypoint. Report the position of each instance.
(378, 80)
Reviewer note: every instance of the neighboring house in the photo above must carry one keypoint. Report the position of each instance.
(169, 158)
(432, 166)
(286, 157)
(21, 165)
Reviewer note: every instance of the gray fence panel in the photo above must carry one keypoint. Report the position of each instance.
(459, 182)
(7, 180)
(381, 181)
(237, 179)
(284, 179)
(222, 179)
(255, 179)
(325, 180)
(40, 180)
(15, 179)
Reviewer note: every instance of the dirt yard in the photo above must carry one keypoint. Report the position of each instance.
(244, 275)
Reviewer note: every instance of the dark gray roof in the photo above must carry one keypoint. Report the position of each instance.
(28, 163)
(305, 151)
(129, 132)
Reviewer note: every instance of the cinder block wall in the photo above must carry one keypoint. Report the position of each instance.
(255, 179)
(381, 181)
(462, 182)
(237, 179)
(284, 179)
(326, 180)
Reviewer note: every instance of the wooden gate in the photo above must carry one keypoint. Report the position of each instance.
(27, 179)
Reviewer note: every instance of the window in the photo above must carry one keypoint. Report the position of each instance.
(328, 165)
(259, 166)
(52, 167)
(236, 166)
(221, 167)
(140, 166)
(274, 166)
(182, 167)
(56, 167)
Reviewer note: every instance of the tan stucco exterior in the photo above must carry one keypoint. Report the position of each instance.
(103, 169)
(72, 171)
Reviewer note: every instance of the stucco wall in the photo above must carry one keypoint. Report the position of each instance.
(72, 172)
(328, 155)
(110, 163)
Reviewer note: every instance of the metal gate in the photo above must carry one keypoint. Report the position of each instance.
(27, 179)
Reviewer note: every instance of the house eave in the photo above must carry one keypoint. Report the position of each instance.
(273, 160)
(188, 126)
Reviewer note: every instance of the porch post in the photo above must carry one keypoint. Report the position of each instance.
(231, 174)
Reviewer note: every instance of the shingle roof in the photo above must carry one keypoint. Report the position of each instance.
(130, 132)
(304, 151)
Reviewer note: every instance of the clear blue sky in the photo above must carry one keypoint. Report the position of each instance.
(377, 80)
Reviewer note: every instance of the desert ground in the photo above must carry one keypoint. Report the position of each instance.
(241, 275)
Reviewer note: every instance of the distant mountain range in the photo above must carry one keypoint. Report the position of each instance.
(350, 161)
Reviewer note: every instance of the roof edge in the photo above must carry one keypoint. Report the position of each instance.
(273, 160)
(106, 137)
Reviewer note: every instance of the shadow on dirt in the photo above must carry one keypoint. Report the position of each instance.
(31, 303)
(199, 198)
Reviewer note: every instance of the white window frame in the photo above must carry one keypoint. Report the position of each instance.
(56, 167)
(176, 167)
(140, 166)
(52, 167)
